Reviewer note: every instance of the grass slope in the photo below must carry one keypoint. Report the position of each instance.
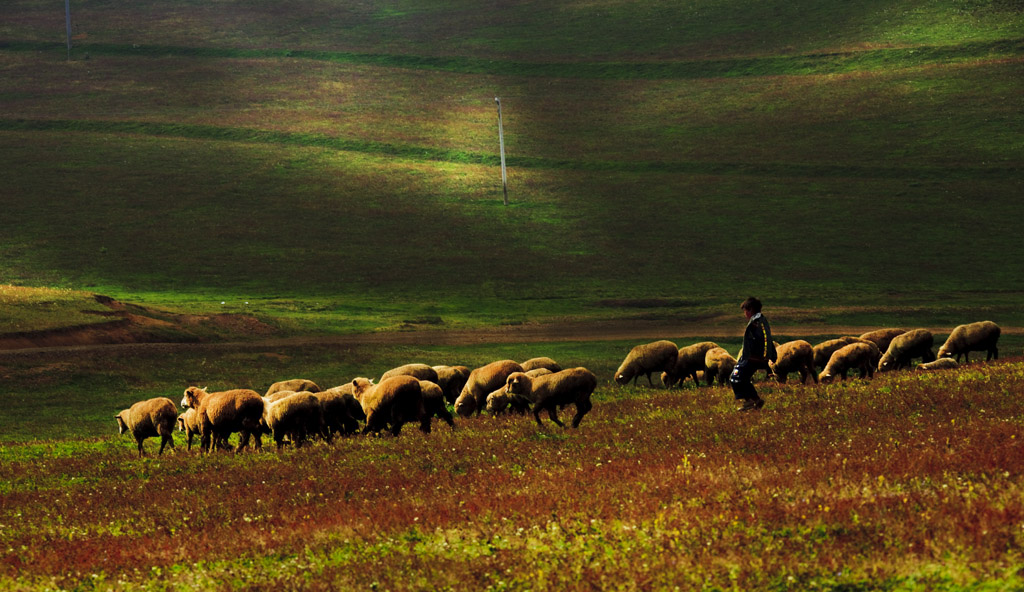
(344, 158)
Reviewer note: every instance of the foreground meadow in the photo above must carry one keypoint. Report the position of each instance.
(909, 481)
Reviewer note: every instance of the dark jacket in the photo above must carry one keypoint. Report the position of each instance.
(758, 346)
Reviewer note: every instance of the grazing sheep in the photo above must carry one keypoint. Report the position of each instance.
(417, 371)
(689, 361)
(149, 418)
(882, 337)
(278, 395)
(793, 356)
(550, 391)
(342, 412)
(297, 416)
(718, 363)
(434, 403)
(542, 362)
(939, 364)
(482, 382)
(980, 336)
(860, 355)
(188, 422)
(824, 350)
(912, 344)
(500, 399)
(223, 413)
(658, 356)
(295, 385)
(451, 379)
(392, 403)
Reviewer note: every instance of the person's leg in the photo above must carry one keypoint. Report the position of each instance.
(743, 387)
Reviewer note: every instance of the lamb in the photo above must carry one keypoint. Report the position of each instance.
(434, 403)
(222, 413)
(341, 411)
(482, 382)
(547, 392)
(793, 356)
(980, 336)
(296, 416)
(689, 361)
(500, 399)
(860, 355)
(658, 356)
(882, 337)
(912, 344)
(824, 350)
(939, 364)
(451, 379)
(295, 385)
(718, 363)
(542, 362)
(188, 422)
(392, 403)
(149, 418)
(417, 371)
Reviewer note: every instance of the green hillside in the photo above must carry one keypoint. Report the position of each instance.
(338, 161)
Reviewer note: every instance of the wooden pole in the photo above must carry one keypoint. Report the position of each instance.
(501, 143)
(67, 21)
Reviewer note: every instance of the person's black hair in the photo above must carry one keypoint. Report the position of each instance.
(752, 304)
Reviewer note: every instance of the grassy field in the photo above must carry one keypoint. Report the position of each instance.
(332, 168)
(911, 481)
(343, 160)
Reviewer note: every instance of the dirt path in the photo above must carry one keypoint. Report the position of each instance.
(639, 331)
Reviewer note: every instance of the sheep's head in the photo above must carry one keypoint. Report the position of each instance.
(361, 386)
(498, 401)
(886, 363)
(944, 352)
(122, 425)
(825, 378)
(622, 378)
(193, 396)
(517, 383)
(465, 405)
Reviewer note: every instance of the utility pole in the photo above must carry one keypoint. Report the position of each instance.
(501, 143)
(67, 20)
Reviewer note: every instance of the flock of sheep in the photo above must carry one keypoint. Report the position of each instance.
(298, 409)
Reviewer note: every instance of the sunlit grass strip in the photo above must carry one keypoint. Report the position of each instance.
(423, 153)
(820, 63)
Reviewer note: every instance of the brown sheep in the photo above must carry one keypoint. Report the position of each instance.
(297, 416)
(223, 413)
(793, 356)
(882, 337)
(648, 358)
(188, 422)
(391, 404)
(939, 364)
(912, 344)
(278, 395)
(718, 363)
(550, 391)
(295, 385)
(482, 382)
(980, 336)
(150, 418)
(451, 379)
(417, 371)
(689, 361)
(342, 412)
(860, 355)
(824, 350)
(499, 400)
(542, 362)
(434, 403)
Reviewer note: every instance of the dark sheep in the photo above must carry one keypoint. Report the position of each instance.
(904, 348)
(417, 371)
(391, 404)
(452, 379)
(223, 413)
(980, 336)
(647, 358)
(793, 356)
(482, 382)
(550, 391)
(689, 361)
(294, 385)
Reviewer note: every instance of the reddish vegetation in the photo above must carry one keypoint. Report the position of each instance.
(909, 475)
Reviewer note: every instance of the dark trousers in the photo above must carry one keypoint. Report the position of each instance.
(740, 380)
